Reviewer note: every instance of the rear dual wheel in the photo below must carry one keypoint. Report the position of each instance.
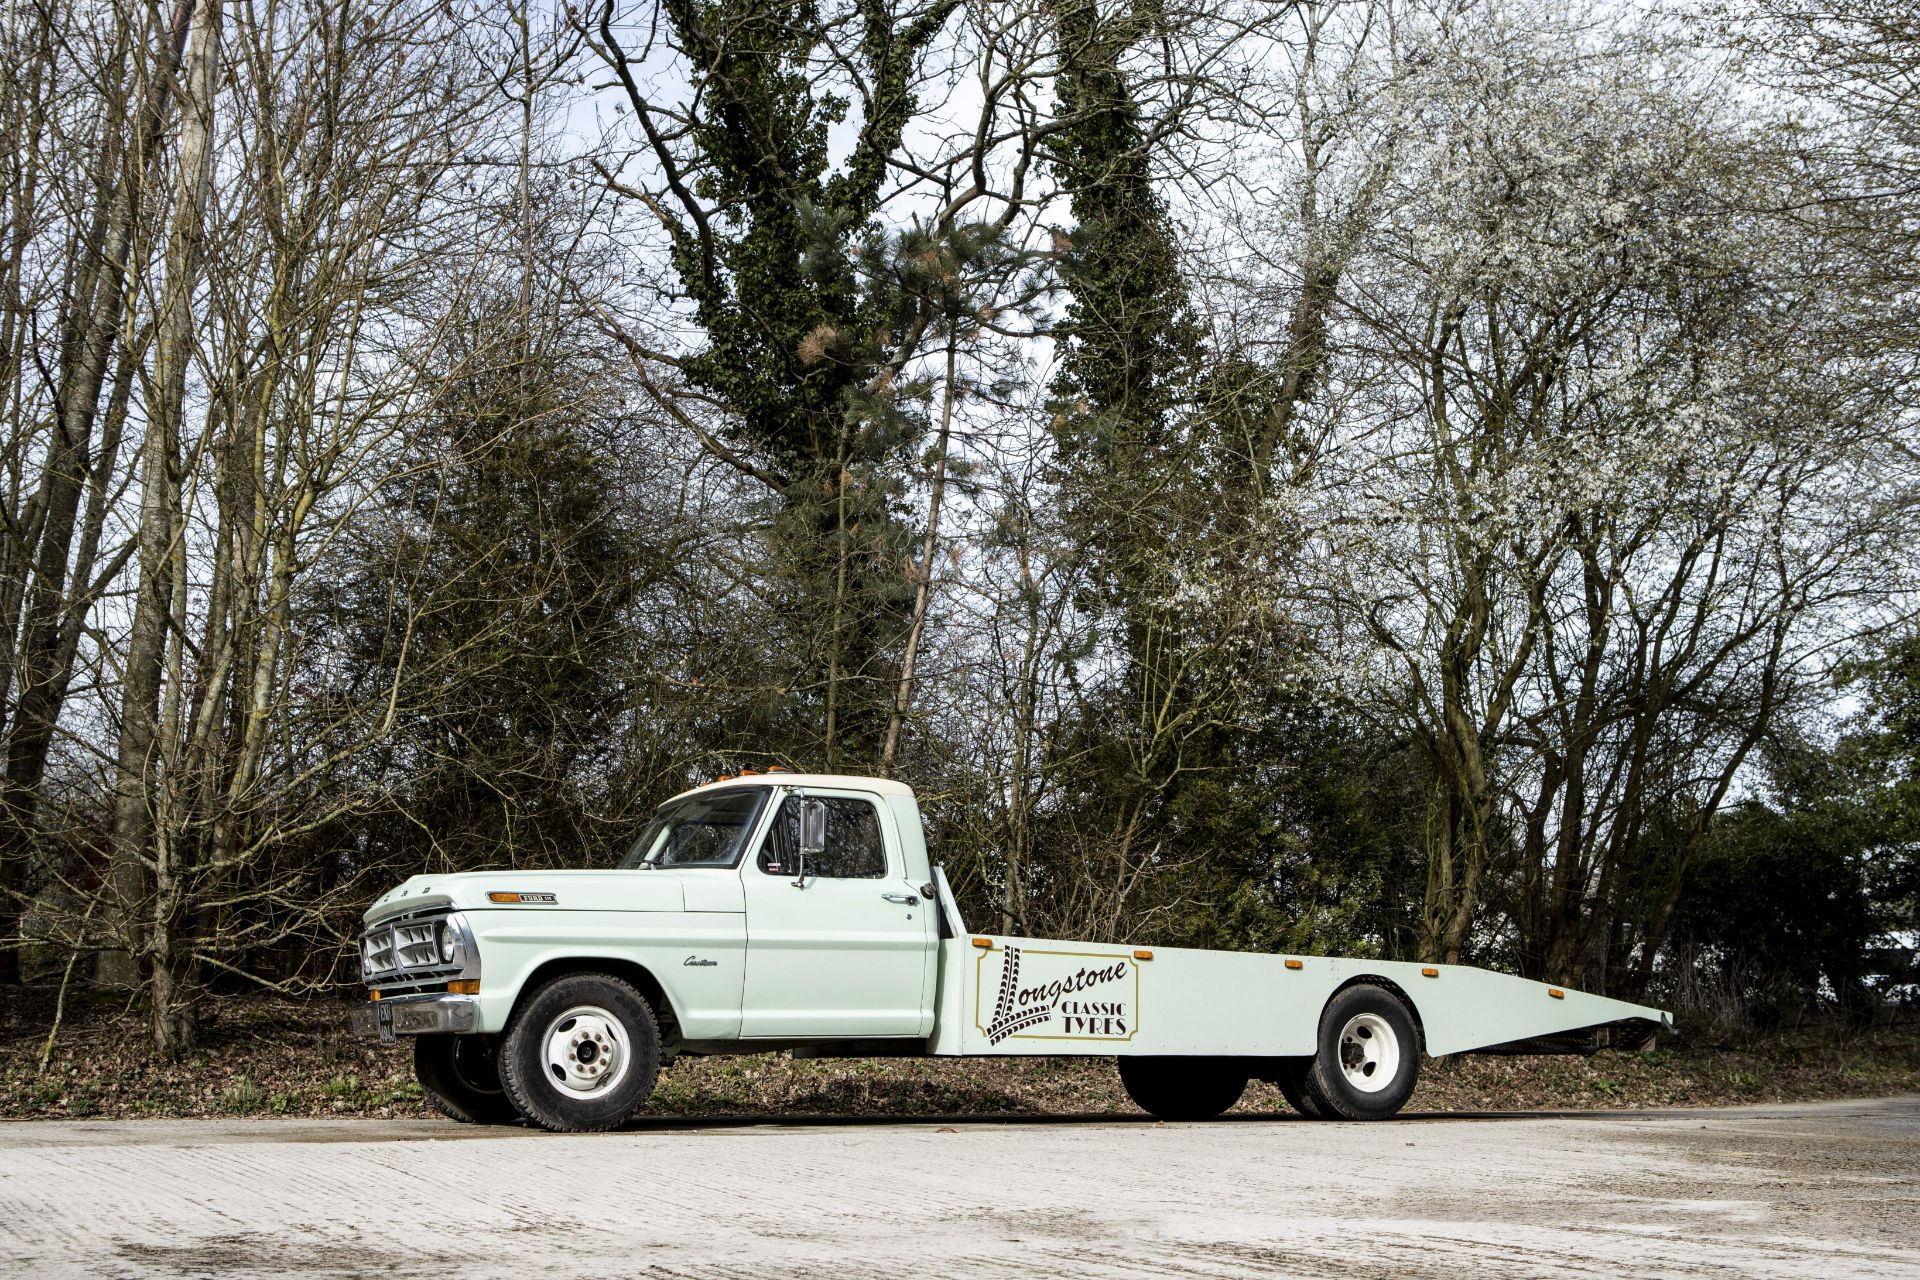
(1290, 1074)
(1365, 1068)
(1367, 1062)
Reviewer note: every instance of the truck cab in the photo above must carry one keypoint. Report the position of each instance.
(715, 907)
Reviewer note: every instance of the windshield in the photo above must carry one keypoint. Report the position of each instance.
(701, 831)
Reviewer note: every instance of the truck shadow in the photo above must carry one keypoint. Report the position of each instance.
(828, 1120)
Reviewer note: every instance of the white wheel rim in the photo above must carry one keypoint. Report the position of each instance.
(1369, 1052)
(587, 1051)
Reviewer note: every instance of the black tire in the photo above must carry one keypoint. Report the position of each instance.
(1183, 1088)
(1290, 1075)
(607, 1059)
(1369, 1056)
(461, 1078)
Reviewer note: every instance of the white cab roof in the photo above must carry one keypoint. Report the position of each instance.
(846, 781)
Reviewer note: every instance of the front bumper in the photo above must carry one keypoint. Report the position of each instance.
(415, 1016)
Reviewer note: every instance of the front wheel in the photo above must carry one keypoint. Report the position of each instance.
(581, 1054)
(1183, 1088)
(1368, 1058)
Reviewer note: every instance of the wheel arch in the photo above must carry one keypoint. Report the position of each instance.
(630, 971)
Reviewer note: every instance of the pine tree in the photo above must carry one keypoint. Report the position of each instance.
(497, 611)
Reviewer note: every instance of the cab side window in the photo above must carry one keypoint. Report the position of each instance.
(854, 849)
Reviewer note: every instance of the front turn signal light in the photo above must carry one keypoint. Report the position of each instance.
(464, 987)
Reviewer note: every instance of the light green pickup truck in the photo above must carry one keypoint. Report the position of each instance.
(800, 912)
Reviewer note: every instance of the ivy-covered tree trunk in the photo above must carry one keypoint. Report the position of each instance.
(1125, 471)
(806, 342)
(1128, 343)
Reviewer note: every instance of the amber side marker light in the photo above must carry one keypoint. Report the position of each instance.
(464, 987)
(985, 944)
(1295, 964)
(503, 897)
(1556, 993)
(1143, 955)
(1429, 973)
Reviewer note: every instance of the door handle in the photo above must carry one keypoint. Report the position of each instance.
(904, 899)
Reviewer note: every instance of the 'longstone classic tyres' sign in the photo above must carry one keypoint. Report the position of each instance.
(1039, 994)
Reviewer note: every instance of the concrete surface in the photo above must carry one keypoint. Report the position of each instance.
(1829, 1190)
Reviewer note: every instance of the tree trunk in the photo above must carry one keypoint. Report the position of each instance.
(44, 666)
(159, 526)
(923, 588)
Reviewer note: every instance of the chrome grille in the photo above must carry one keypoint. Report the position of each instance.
(405, 950)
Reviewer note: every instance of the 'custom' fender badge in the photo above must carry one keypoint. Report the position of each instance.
(695, 962)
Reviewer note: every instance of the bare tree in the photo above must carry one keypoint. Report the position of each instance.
(1602, 546)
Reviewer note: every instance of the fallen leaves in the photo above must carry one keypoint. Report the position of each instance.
(310, 1066)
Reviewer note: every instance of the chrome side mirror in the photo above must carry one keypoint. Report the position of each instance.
(813, 835)
(813, 826)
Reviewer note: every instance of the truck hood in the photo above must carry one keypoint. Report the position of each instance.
(654, 890)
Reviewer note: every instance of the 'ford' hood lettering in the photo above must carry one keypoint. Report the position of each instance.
(571, 890)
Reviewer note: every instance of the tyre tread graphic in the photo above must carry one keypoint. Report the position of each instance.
(1006, 1019)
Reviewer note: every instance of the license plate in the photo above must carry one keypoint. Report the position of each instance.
(383, 1017)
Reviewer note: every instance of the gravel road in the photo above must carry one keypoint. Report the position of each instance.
(1826, 1190)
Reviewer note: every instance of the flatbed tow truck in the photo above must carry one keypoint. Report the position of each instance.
(800, 912)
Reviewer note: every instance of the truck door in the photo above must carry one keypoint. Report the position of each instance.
(846, 953)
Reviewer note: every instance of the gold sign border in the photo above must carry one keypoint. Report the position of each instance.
(979, 967)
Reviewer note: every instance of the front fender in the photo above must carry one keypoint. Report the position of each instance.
(698, 958)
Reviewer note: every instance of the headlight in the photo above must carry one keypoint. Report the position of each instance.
(449, 944)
